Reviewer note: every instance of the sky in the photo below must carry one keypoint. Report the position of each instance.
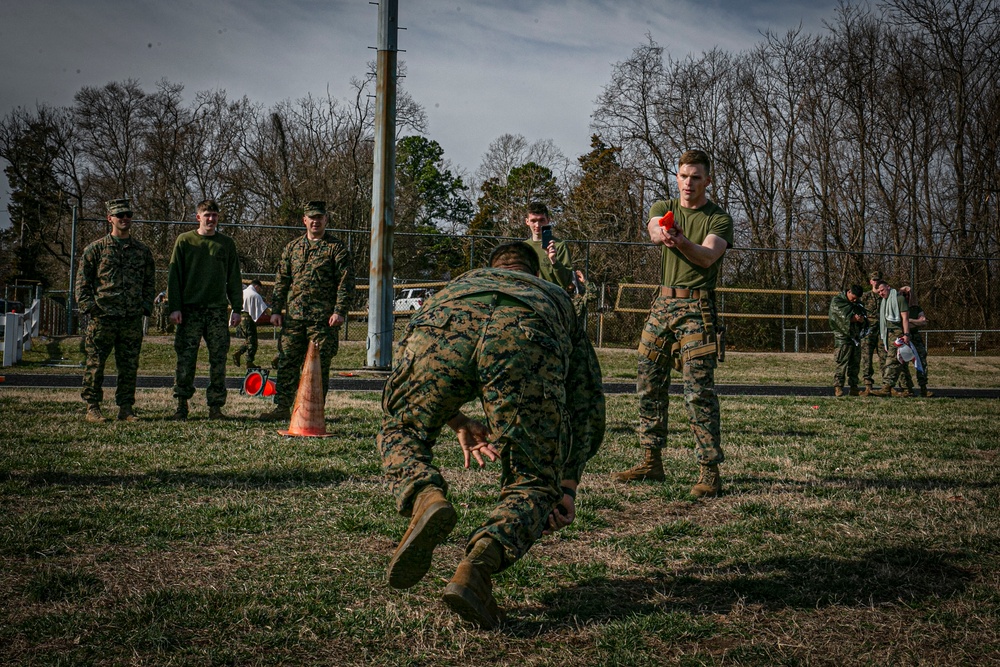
(480, 68)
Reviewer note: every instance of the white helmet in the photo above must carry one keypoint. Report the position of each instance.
(905, 354)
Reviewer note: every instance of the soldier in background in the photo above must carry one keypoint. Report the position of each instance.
(869, 343)
(894, 324)
(253, 308)
(160, 315)
(847, 319)
(203, 281)
(918, 320)
(312, 294)
(115, 288)
(513, 341)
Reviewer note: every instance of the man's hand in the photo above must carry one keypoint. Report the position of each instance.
(336, 320)
(234, 319)
(551, 252)
(276, 320)
(473, 436)
(176, 317)
(562, 516)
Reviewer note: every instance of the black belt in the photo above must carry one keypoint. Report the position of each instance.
(685, 293)
(493, 298)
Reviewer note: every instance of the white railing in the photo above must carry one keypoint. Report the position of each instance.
(18, 331)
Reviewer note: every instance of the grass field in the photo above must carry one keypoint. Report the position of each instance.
(63, 356)
(852, 532)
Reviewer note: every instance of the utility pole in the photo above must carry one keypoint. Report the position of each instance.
(380, 317)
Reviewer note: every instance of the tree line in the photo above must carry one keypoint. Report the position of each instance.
(875, 140)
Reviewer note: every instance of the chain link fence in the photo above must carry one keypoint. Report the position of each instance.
(769, 300)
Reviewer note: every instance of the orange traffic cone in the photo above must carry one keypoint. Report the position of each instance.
(307, 413)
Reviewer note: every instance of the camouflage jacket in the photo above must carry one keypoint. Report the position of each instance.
(584, 390)
(116, 278)
(871, 300)
(315, 279)
(844, 329)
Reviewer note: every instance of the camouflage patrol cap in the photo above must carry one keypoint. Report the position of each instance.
(315, 207)
(875, 275)
(116, 206)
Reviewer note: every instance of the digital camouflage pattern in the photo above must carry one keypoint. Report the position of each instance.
(528, 360)
(212, 324)
(295, 338)
(870, 346)
(247, 331)
(115, 288)
(671, 319)
(315, 280)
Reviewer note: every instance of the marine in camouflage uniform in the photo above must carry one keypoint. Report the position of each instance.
(894, 322)
(253, 308)
(681, 332)
(115, 288)
(918, 320)
(847, 319)
(203, 282)
(513, 341)
(870, 346)
(312, 295)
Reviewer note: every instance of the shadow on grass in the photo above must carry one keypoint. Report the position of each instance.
(900, 575)
(253, 479)
(751, 484)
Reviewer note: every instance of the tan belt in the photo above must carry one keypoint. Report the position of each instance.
(684, 293)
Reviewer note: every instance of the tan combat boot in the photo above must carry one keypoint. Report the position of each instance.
(838, 391)
(651, 468)
(432, 520)
(94, 414)
(470, 592)
(902, 393)
(868, 389)
(886, 390)
(709, 483)
(215, 412)
(925, 392)
(127, 414)
(181, 414)
(280, 413)
(854, 392)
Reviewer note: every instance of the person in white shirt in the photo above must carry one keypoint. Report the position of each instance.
(253, 307)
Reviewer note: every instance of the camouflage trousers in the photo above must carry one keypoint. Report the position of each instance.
(671, 319)
(104, 334)
(893, 367)
(212, 324)
(247, 330)
(872, 346)
(906, 377)
(295, 338)
(505, 356)
(848, 359)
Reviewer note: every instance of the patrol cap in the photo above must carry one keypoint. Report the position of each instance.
(315, 207)
(116, 206)
(875, 275)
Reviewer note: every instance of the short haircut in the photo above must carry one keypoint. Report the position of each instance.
(880, 283)
(208, 205)
(696, 157)
(509, 254)
(256, 283)
(538, 208)
(856, 290)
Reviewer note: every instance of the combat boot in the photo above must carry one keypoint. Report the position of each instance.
(94, 414)
(181, 414)
(432, 520)
(651, 468)
(126, 414)
(884, 391)
(709, 483)
(902, 393)
(925, 392)
(838, 391)
(215, 412)
(854, 392)
(470, 592)
(868, 389)
(281, 413)
(236, 358)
